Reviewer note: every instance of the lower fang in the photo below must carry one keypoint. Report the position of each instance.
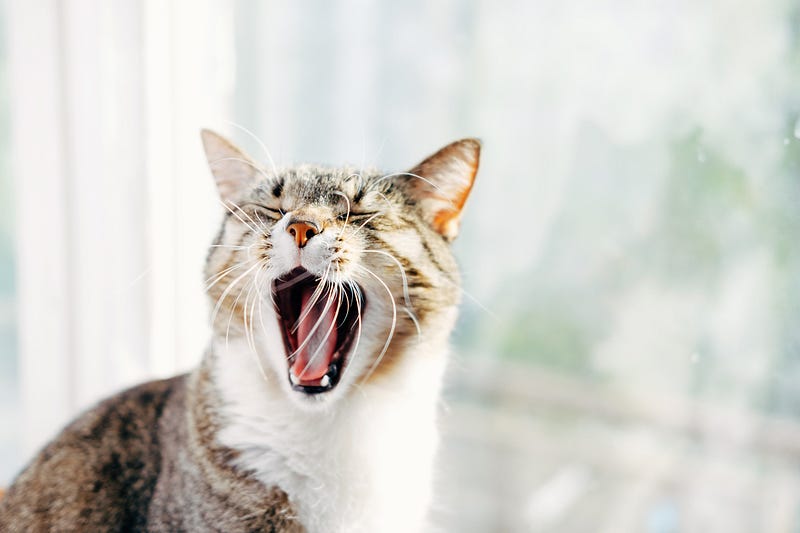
(325, 381)
(333, 370)
(294, 379)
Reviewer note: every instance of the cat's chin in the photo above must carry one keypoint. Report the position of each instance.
(319, 324)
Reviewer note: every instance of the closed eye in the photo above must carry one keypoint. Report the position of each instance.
(263, 211)
(355, 217)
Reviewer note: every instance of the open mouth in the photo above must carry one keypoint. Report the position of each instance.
(318, 323)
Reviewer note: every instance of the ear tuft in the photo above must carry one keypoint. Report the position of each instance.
(232, 169)
(447, 178)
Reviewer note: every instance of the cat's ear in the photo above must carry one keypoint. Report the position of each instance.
(233, 170)
(442, 182)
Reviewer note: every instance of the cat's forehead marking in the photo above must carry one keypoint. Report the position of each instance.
(306, 184)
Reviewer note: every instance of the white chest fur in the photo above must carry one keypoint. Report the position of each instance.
(364, 464)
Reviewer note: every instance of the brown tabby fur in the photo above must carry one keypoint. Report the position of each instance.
(149, 458)
(108, 471)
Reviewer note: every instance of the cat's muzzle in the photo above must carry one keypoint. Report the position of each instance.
(319, 323)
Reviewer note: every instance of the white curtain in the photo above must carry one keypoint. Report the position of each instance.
(629, 250)
(114, 203)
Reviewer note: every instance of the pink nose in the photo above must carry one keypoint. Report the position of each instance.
(302, 231)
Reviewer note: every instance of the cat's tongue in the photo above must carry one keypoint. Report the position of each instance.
(317, 341)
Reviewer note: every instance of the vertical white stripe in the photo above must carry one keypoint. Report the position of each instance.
(121, 65)
(116, 207)
(104, 125)
(90, 222)
(354, 102)
(42, 223)
(203, 79)
(267, 77)
(159, 222)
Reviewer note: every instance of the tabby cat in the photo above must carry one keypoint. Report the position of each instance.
(333, 292)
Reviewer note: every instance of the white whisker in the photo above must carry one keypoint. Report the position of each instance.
(283, 285)
(358, 297)
(406, 295)
(235, 247)
(225, 205)
(261, 230)
(477, 302)
(227, 290)
(394, 322)
(230, 317)
(316, 325)
(426, 180)
(315, 296)
(261, 144)
(248, 324)
(347, 216)
(331, 295)
(220, 275)
(251, 164)
(413, 318)
(252, 341)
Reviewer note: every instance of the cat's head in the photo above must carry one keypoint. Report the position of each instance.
(334, 275)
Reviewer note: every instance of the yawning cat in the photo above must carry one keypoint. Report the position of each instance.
(333, 292)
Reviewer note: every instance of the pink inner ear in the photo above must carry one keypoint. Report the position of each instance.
(453, 171)
(233, 171)
(444, 221)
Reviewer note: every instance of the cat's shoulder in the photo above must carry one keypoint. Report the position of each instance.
(101, 467)
(127, 420)
(121, 415)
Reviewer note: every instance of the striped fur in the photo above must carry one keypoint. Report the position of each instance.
(231, 446)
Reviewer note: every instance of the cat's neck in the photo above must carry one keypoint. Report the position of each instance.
(364, 464)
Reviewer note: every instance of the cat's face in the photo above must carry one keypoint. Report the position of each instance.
(333, 275)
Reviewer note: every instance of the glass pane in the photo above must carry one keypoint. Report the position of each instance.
(9, 397)
(627, 353)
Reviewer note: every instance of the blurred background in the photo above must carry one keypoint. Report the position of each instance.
(628, 353)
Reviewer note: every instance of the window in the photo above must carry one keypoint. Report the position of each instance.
(627, 353)
(9, 394)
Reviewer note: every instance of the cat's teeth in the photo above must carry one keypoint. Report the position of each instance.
(294, 379)
(325, 381)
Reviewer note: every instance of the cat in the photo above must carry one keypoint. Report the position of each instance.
(333, 293)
